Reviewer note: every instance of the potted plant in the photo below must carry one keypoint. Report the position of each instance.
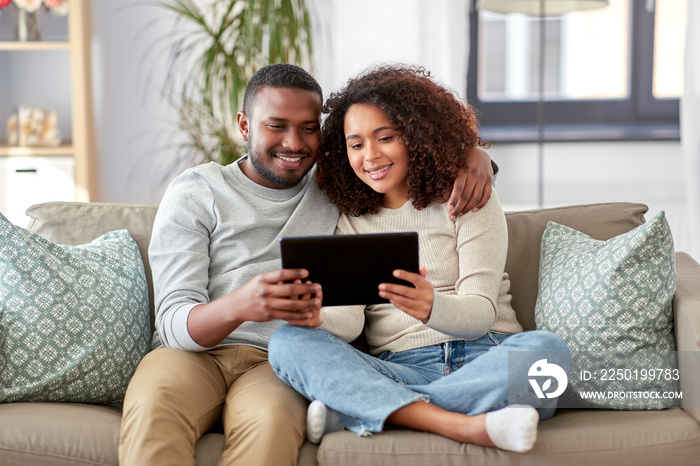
(221, 44)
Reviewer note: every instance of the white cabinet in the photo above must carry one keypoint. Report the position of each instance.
(54, 71)
(25, 181)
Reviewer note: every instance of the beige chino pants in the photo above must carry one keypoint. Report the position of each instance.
(176, 396)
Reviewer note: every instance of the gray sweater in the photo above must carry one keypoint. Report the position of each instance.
(215, 230)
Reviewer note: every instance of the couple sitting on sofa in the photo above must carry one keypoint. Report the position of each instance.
(393, 143)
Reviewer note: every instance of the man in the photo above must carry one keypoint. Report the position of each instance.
(220, 293)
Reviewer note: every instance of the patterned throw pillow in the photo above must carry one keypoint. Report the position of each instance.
(74, 320)
(611, 302)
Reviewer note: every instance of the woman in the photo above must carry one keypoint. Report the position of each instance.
(392, 142)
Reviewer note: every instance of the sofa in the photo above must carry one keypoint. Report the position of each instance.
(82, 434)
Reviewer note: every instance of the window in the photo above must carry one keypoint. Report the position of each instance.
(610, 73)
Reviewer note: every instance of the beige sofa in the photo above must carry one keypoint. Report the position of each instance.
(75, 434)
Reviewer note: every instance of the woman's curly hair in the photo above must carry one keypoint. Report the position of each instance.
(437, 129)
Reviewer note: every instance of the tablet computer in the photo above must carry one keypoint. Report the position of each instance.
(351, 267)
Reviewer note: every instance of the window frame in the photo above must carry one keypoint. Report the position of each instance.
(638, 117)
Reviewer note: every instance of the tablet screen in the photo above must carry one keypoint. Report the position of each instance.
(351, 267)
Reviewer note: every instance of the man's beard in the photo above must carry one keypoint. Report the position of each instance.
(269, 176)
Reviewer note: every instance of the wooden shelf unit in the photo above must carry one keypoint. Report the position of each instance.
(24, 46)
(82, 144)
(37, 151)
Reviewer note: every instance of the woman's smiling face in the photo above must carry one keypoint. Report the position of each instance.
(376, 153)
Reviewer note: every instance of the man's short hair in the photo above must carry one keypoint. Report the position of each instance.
(278, 75)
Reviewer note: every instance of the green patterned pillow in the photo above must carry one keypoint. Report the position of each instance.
(73, 319)
(611, 302)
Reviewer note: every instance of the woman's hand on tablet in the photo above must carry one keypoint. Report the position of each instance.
(416, 302)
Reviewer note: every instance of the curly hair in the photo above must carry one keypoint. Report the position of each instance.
(437, 129)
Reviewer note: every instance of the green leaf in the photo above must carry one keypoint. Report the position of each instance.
(222, 44)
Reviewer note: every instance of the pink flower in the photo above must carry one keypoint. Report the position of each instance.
(28, 5)
(58, 7)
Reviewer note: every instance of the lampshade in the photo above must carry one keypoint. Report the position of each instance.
(533, 7)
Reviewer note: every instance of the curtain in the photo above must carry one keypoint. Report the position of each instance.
(690, 125)
(352, 35)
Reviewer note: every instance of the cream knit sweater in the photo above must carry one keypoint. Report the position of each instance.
(464, 261)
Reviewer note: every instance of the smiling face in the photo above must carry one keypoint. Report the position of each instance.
(377, 153)
(282, 135)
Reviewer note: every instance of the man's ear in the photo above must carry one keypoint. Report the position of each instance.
(242, 120)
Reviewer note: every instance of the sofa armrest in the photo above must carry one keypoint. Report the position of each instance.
(686, 318)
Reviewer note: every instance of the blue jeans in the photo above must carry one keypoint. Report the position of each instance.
(469, 377)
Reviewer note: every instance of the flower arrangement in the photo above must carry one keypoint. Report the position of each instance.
(58, 7)
(27, 24)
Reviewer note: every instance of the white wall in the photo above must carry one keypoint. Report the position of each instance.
(590, 172)
(432, 34)
(136, 143)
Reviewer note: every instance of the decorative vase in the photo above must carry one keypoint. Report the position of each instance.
(27, 26)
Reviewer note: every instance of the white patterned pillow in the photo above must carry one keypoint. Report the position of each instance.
(74, 320)
(611, 302)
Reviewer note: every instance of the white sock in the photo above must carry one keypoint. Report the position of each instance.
(513, 427)
(321, 420)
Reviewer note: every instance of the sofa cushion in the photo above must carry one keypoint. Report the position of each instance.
(611, 301)
(74, 322)
(525, 228)
(70, 434)
(81, 222)
(58, 434)
(571, 437)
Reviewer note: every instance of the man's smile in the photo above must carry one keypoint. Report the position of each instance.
(290, 161)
